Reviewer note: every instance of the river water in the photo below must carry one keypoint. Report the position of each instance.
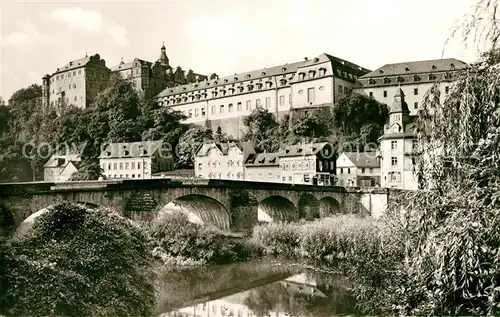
(252, 289)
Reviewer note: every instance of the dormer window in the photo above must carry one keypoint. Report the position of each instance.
(269, 84)
(248, 76)
(214, 94)
(299, 150)
(434, 67)
(302, 76)
(215, 82)
(387, 80)
(452, 66)
(322, 71)
(381, 71)
(416, 78)
(259, 86)
(283, 82)
(144, 152)
(231, 91)
(192, 98)
(225, 80)
(432, 77)
(447, 76)
(316, 60)
(263, 74)
(372, 81)
(235, 78)
(287, 151)
(241, 88)
(283, 69)
(312, 74)
(400, 79)
(108, 153)
(125, 153)
(407, 69)
(250, 87)
(185, 99)
(272, 161)
(262, 161)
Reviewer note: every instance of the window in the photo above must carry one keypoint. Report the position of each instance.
(290, 178)
(415, 91)
(394, 145)
(121, 166)
(109, 166)
(310, 95)
(415, 105)
(238, 106)
(363, 170)
(114, 166)
(69, 86)
(196, 112)
(79, 72)
(370, 93)
(340, 90)
(132, 165)
(200, 166)
(446, 89)
(385, 93)
(290, 99)
(394, 161)
(202, 112)
(230, 108)
(213, 109)
(221, 109)
(248, 105)
(126, 166)
(432, 77)
(282, 100)
(348, 170)
(139, 165)
(190, 113)
(341, 170)
(268, 103)
(257, 103)
(74, 99)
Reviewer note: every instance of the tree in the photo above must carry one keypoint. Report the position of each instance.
(220, 136)
(262, 130)
(79, 260)
(189, 143)
(451, 229)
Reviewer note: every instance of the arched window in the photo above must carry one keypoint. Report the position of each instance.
(312, 74)
(241, 88)
(302, 76)
(259, 86)
(250, 87)
(322, 71)
(283, 82)
(372, 81)
(387, 80)
(269, 84)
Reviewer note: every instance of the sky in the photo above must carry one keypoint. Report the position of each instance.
(223, 36)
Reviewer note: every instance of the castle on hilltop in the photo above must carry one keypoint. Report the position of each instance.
(80, 81)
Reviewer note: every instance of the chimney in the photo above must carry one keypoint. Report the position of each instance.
(305, 59)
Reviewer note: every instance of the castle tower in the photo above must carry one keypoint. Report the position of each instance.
(399, 112)
(46, 93)
(163, 57)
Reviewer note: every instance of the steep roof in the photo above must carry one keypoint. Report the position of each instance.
(262, 159)
(61, 160)
(363, 159)
(245, 147)
(417, 67)
(129, 150)
(81, 62)
(399, 104)
(302, 149)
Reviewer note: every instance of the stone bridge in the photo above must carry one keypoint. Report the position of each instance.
(229, 205)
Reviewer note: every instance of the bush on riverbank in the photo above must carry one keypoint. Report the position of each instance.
(78, 261)
(175, 240)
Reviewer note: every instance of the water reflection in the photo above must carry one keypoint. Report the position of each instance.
(277, 292)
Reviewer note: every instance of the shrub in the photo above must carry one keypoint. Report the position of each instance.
(78, 261)
(177, 240)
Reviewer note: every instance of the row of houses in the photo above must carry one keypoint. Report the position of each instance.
(314, 164)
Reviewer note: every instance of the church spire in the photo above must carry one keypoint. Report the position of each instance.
(163, 56)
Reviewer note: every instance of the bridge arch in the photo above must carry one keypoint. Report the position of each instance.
(200, 209)
(308, 207)
(276, 208)
(329, 206)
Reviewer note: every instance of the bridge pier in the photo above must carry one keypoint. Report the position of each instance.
(244, 211)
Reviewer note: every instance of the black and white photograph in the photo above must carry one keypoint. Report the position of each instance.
(249, 158)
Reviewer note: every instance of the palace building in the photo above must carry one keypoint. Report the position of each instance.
(225, 101)
(80, 81)
(413, 78)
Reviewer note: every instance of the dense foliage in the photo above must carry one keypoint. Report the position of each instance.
(174, 237)
(79, 261)
(453, 229)
(354, 122)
